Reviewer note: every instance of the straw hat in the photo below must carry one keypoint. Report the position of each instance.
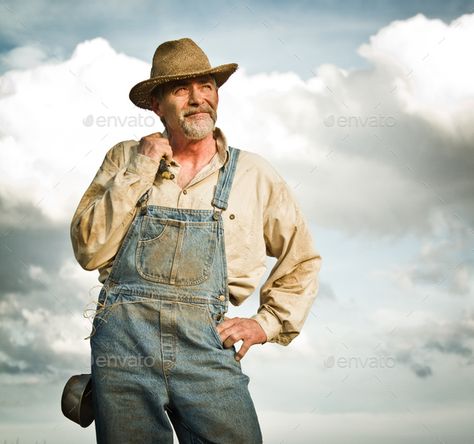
(176, 60)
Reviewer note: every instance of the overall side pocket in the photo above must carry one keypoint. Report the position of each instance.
(105, 304)
(215, 316)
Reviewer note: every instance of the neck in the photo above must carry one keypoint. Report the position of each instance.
(189, 151)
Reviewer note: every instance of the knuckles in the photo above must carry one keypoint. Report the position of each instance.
(154, 144)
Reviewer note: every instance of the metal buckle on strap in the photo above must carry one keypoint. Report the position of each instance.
(217, 213)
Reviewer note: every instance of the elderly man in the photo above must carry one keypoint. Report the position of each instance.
(179, 224)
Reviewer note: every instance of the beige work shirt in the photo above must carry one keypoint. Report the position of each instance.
(262, 218)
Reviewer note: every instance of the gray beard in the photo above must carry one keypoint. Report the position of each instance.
(197, 129)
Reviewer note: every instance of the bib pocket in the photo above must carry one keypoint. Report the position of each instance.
(175, 252)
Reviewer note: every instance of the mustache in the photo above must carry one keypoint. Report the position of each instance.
(206, 109)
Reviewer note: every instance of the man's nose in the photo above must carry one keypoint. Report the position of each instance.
(195, 95)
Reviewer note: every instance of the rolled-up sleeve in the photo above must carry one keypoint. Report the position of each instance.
(108, 207)
(291, 288)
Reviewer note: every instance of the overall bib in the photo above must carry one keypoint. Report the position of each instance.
(156, 353)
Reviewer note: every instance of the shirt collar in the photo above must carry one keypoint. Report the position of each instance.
(222, 147)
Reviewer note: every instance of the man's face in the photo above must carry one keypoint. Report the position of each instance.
(189, 106)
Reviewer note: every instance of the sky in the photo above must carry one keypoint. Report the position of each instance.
(364, 107)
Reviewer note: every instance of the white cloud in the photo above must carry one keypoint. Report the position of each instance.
(433, 65)
(363, 157)
(372, 151)
(23, 57)
(43, 330)
(49, 153)
(443, 265)
(417, 338)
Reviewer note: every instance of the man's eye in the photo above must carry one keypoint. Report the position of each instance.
(181, 90)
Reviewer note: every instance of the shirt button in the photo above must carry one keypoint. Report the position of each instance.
(221, 297)
(185, 192)
(232, 216)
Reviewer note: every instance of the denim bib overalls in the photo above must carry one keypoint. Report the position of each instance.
(156, 353)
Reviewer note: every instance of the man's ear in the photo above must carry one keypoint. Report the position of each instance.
(155, 106)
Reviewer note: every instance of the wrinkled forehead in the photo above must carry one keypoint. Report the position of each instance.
(185, 82)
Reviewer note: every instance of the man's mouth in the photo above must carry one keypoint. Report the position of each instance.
(197, 114)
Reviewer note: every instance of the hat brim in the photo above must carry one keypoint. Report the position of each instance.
(76, 400)
(140, 93)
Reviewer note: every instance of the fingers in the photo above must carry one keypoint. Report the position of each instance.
(168, 155)
(233, 330)
(242, 350)
(228, 322)
(157, 135)
(156, 146)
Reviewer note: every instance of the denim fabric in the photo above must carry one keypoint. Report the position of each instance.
(157, 358)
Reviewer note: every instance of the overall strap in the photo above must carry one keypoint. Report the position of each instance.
(226, 177)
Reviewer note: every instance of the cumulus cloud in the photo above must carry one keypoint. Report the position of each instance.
(420, 369)
(371, 151)
(368, 152)
(430, 60)
(23, 57)
(443, 264)
(419, 343)
(47, 138)
(42, 329)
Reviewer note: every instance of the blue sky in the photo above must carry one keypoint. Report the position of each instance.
(283, 36)
(364, 107)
